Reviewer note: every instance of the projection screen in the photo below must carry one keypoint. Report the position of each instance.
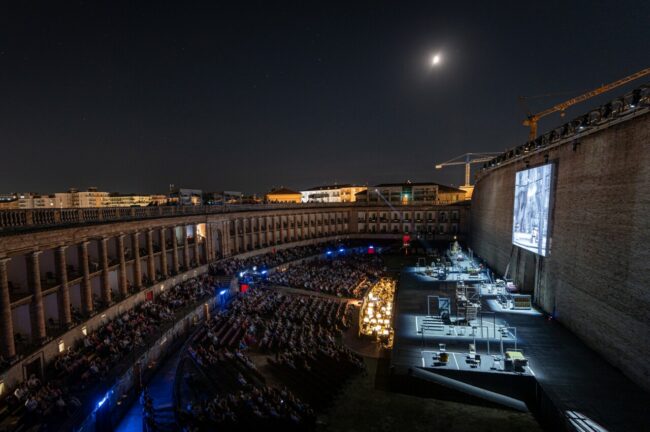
(531, 212)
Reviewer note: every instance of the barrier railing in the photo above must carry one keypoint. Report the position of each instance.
(24, 219)
(631, 104)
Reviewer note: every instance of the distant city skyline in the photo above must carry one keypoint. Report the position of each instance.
(250, 96)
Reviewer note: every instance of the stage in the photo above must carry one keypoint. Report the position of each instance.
(570, 376)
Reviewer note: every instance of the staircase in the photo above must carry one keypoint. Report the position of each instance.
(433, 324)
(165, 418)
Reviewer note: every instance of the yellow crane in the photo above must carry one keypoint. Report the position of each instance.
(468, 159)
(532, 119)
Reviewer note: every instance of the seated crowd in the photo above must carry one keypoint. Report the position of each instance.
(232, 266)
(299, 336)
(76, 371)
(342, 276)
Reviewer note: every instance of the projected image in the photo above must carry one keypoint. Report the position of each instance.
(532, 199)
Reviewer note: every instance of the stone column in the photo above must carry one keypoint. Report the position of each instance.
(36, 309)
(63, 296)
(236, 236)
(7, 343)
(186, 249)
(251, 233)
(151, 263)
(107, 295)
(137, 264)
(274, 236)
(86, 289)
(207, 246)
(163, 253)
(175, 251)
(295, 227)
(196, 245)
(123, 284)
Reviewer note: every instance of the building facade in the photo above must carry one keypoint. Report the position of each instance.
(411, 193)
(133, 200)
(91, 198)
(283, 195)
(332, 194)
(186, 197)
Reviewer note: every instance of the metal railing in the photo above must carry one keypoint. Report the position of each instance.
(622, 108)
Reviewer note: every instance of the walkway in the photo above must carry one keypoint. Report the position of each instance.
(160, 388)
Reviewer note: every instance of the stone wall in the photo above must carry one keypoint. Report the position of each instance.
(596, 278)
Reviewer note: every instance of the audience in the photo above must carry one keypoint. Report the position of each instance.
(298, 333)
(81, 367)
(232, 266)
(342, 276)
(295, 332)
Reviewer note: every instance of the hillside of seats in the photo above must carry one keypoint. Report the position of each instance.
(74, 380)
(296, 339)
(343, 273)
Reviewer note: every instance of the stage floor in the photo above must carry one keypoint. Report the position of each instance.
(575, 377)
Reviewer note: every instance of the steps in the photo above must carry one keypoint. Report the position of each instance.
(165, 418)
(433, 323)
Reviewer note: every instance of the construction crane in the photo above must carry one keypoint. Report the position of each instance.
(468, 159)
(532, 119)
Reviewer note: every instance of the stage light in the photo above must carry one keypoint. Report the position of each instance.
(103, 400)
(241, 274)
(223, 292)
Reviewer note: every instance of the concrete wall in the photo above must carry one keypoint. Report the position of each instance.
(596, 279)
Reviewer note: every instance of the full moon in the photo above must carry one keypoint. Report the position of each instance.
(435, 59)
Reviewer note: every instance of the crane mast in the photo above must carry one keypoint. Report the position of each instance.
(468, 159)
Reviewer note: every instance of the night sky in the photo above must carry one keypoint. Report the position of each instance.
(131, 98)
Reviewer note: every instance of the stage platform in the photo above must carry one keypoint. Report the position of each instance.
(572, 377)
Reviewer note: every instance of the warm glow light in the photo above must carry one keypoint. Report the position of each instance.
(436, 59)
(376, 310)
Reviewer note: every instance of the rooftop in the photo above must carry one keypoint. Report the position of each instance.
(283, 191)
(441, 187)
(330, 187)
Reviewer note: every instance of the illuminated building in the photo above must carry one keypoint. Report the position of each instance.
(332, 193)
(283, 195)
(411, 193)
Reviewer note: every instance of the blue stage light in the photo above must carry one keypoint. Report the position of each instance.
(103, 400)
(329, 252)
(223, 292)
